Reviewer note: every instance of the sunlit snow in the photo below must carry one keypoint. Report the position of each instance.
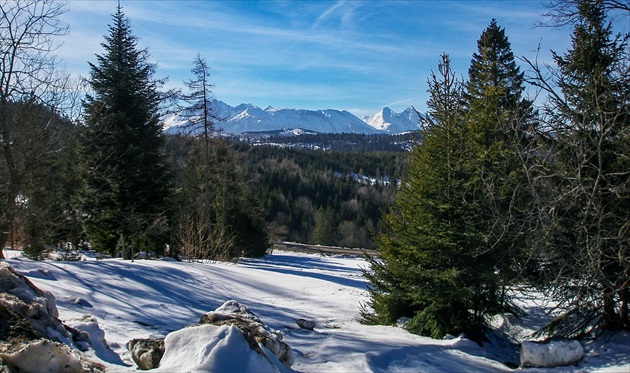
(151, 298)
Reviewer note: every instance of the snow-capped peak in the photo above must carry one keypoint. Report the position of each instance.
(250, 118)
(391, 122)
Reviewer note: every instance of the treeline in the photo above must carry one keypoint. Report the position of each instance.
(342, 142)
(503, 195)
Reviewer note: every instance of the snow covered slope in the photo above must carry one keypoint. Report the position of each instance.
(250, 118)
(388, 121)
(150, 298)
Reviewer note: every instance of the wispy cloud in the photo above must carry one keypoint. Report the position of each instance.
(345, 54)
(328, 13)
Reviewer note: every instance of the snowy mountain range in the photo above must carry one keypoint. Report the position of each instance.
(388, 121)
(249, 118)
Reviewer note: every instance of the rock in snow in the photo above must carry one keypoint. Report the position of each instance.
(258, 335)
(32, 339)
(306, 324)
(146, 353)
(44, 356)
(550, 354)
(230, 339)
(211, 348)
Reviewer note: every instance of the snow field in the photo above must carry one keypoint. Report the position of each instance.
(151, 298)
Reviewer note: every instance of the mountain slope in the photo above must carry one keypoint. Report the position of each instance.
(388, 121)
(250, 118)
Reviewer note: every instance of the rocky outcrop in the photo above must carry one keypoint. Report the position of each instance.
(230, 338)
(256, 333)
(146, 353)
(31, 336)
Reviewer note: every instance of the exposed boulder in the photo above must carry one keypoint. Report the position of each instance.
(146, 353)
(551, 353)
(257, 334)
(306, 324)
(43, 356)
(31, 336)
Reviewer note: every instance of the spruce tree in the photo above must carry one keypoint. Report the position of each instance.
(126, 184)
(500, 122)
(586, 217)
(425, 270)
(455, 239)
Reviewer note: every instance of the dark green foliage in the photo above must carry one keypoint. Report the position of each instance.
(126, 183)
(247, 221)
(325, 228)
(219, 216)
(426, 270)
(500, 122)
(291, 185)
(324, 197)
(586, 217)
(455, 238)
(29, 79)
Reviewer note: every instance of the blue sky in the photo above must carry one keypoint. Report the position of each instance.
(358, 56)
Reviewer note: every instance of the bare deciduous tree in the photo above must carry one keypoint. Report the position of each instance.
(199, 240)
(565, 12)
(28, 73)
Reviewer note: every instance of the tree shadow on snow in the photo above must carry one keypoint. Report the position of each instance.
(304, 262)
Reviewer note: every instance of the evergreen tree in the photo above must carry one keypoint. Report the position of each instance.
(325, 229)
(425, 270)
(228, 225)
(587, 213)
(456, 237)
(500, 122)
(28, 76)
(126, 183)
(40, 149)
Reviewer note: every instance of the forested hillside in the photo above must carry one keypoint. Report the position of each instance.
(309, 196)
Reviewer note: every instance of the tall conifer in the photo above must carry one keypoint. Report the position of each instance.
(500, 122)
(586, 219)
(425, 271)
(124, 171)
(455, 238)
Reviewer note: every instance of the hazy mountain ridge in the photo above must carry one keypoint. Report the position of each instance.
(250, 118)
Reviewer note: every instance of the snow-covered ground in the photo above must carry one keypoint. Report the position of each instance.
(150, 298)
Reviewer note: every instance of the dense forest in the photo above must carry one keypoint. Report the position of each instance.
(310, 196)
